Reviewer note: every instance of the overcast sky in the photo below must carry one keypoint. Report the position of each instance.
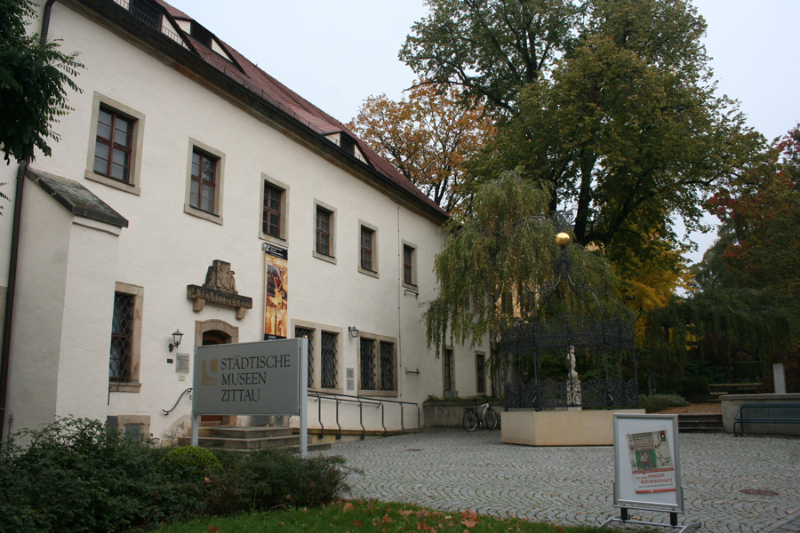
(335, 54)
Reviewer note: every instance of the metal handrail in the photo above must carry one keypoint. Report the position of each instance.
(360, 400)
(166, 412)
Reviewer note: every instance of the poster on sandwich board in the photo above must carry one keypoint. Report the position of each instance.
(647, 462)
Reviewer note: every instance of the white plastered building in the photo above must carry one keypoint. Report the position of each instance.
(179, 164)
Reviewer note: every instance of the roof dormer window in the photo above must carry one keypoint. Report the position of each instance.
(202, 35)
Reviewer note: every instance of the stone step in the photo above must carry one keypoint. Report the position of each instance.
(249, 443)
(700, 423)
(295, 448)
(238, 432)
(700, 429)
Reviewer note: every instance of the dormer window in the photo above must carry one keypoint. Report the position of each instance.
(202, 35)
(347, 144)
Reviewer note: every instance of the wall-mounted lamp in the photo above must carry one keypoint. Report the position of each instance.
(353, 331)
(176, 340)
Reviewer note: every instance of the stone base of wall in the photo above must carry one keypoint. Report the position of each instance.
(569, 427)
(731, 403)
(449, 414)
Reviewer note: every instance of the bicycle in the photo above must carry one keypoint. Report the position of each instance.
(474, 418)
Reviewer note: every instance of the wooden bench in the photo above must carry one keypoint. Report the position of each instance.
(766, 413)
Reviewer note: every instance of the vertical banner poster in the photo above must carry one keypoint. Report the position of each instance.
(276, 286)
(651, 462)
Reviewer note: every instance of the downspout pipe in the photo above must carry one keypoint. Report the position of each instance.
(11, 291)
(5, 357)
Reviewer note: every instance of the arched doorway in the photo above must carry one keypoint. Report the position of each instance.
(208, 333)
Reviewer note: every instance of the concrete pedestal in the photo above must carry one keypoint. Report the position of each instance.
(560, 428)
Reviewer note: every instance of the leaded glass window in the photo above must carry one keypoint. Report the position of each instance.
(121, 328)
(387, 366)
(367, 364)
(329, 363)
(309, 334)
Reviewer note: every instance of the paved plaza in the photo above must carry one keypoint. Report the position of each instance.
(453, 470)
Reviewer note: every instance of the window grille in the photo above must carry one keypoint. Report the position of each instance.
(367, 364)
(329, 364)
(121, 328)
(387, 366)
(309, 334)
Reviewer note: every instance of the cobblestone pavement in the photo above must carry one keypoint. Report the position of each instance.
(454, 470)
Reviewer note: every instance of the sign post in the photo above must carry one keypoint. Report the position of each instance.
(254, 378)
(647, 468)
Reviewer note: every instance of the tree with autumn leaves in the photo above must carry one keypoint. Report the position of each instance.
(428, 136)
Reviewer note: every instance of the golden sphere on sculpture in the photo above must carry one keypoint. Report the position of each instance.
(563, 239)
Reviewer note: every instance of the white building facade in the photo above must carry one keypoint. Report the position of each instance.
(179, 166)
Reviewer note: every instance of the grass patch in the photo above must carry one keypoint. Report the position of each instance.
(365, 517)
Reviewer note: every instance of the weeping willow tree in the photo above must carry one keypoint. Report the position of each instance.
(497, 258)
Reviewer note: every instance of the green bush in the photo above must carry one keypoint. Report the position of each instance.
(270, 478)
(77, 475)
(658, 402)
(190, 461)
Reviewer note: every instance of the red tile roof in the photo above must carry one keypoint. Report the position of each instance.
(289, 101)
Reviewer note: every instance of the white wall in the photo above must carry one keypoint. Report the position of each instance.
(164, 249)
(39, 308)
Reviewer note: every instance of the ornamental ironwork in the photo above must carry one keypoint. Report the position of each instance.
(570, 355)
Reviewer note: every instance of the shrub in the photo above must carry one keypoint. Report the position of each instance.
(658, 402)
(190, 461)
(78, 475)
(272, 477)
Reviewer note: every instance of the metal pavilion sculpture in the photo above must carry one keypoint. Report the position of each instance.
(602, 346)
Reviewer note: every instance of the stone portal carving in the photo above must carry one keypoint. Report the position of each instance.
(573, 383)
(219, 288)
